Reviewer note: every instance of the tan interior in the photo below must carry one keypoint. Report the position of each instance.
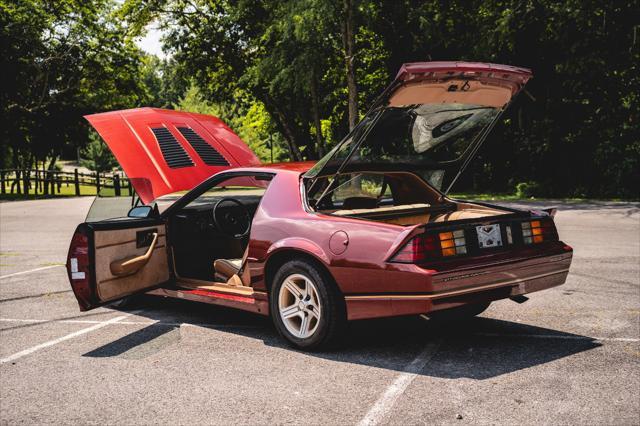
(463, 211)
(227, 267)
(214, 286)
(468, 211)
(119, 246)
(132, 264)
(436, 92)
(235, 284)
(418, 217)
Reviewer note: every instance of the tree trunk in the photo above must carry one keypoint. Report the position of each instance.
(315, 102)
(45, 177)
(282, 124)
(16, 165)
(51, 173)
(348, 43)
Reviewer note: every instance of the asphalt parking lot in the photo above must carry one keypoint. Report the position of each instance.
(569, 355)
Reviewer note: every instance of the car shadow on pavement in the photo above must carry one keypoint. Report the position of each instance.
(480, 348)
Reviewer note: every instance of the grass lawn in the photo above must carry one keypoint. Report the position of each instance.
(65, 191)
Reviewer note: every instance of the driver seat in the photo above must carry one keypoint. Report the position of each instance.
(226, 268)
(231, 271)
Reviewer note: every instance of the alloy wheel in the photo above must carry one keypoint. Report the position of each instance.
(299, 305)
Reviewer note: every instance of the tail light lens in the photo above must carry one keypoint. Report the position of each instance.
(431, 246)
(537, 231)
(78, 268)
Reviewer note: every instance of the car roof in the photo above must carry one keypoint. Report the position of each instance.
(293, 166)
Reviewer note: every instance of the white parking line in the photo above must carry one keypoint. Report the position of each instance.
(386, 401)
(30, 271)
(175, 324)
(33, 349)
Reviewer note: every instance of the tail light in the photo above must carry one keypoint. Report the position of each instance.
(78, 267)
(429, 246)
(537, 231)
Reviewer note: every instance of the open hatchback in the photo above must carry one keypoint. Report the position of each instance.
(366, 232)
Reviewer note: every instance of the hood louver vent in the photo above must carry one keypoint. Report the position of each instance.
(173, 153)
(209, 154)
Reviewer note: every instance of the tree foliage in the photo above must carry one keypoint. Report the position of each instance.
(96, 155)
(294, 73)
(60, 60)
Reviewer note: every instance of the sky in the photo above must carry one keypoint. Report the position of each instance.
(151, 43)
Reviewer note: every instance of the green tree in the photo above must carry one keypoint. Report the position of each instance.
(96, 155)
(253, 123)
(61, 60)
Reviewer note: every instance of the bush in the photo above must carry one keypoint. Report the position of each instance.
(527, 190)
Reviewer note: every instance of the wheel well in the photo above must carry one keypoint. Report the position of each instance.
(278, 259)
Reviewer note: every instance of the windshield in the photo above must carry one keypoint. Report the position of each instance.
(424, 138)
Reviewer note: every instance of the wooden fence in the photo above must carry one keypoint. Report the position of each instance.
(53, 182)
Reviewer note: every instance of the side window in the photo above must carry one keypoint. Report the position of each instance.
(244, 188)
(361, 189)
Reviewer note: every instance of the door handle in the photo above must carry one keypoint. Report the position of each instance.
(132, 264)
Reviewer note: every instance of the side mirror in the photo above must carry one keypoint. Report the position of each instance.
(140, 211)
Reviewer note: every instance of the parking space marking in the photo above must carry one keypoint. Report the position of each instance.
(176, 324)
(33, 349)
(387, 400)
(30, 271)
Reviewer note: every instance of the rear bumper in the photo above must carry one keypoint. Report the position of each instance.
(448, 289)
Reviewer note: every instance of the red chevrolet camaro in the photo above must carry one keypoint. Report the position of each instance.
(366, 232)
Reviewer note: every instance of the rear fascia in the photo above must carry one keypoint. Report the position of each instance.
(485, 275)
(421, 290)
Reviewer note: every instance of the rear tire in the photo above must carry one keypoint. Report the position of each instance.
(306, 306)
(459, 313)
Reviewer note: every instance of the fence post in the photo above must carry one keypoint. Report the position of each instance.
(25, 182)
(17, 182)
(116, 184)
(76, 180)
(2, 190)
(129, 186)
(97, 183)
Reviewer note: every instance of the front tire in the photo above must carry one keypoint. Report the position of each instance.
(306, 306)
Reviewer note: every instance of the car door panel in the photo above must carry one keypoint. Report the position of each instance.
(117, 245)
(108, 261)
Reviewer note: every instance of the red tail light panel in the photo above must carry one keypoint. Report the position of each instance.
(79, 267)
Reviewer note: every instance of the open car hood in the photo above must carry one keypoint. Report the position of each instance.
(164, 151)
(430, 119)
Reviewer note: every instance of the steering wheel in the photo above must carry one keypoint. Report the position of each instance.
(232, 222)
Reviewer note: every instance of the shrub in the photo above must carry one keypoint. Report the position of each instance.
(527, 189)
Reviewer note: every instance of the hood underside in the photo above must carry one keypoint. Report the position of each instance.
(164, 151)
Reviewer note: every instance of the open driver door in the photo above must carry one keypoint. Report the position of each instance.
(111, 260)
